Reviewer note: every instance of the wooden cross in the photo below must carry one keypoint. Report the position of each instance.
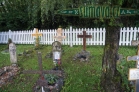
(41, 72)
(59, 36)
(37, 34)
(138, 50)
(84, 36)
(135, 58)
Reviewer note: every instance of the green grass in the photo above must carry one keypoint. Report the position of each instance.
(80, 76)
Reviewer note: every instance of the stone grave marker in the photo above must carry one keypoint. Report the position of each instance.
(12, 51)
(56, 51)
(84, 36)
(134, 72)
(42, 83)
(134, 43)
(36, 34)
(59, 36)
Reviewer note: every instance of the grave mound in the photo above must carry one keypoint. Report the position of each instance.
(49, 83)
(45, 83)
(7, 73)
(82, 56)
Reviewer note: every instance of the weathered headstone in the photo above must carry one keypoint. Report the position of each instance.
(12, 51)
(134, 72)
(59, 36)
(56, 46)
(84, 36)
(42, 83)
(57, 51)
(36, 34)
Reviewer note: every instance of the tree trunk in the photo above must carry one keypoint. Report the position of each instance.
(111, 79)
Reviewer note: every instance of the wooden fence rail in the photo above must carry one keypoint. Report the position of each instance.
(98, 36)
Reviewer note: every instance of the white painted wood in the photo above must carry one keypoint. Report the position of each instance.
(133, 74)
(98, 36)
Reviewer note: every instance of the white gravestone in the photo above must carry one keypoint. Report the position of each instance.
(12, 51)
(56, 52)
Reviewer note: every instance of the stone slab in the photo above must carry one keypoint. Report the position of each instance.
(134, 43)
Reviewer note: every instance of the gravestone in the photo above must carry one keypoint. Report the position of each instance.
(37, 34)
(134, 72)
(56, 51)
(59, 36)
(12, 51)
(41, 84)
(58, 41)
(83, 55)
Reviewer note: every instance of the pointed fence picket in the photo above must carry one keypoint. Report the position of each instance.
(98, 36)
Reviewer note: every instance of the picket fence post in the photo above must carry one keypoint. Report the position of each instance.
(70, 33)
(10, 32)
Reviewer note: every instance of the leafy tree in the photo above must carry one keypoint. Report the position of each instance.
(111, 79)
(27, 14)
(13, 15)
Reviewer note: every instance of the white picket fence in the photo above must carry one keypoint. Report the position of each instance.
(98, 36)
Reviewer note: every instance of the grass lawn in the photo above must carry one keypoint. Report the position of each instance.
(80, 76)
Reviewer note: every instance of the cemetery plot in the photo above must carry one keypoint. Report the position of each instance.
(57, 51)
(83, 55)
(43, 84)
(56, 45)
(78, 76)
(84, 36)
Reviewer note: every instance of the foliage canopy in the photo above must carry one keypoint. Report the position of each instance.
(27, 14)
